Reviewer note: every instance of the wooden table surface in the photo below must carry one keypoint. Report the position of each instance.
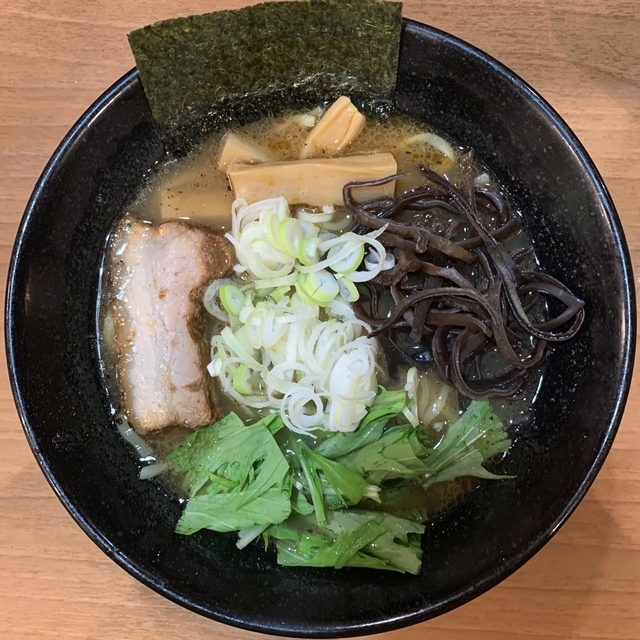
(56, 57)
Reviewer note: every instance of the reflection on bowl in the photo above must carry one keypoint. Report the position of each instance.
(59, 390)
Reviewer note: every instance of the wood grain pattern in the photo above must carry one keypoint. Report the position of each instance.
(56, 57)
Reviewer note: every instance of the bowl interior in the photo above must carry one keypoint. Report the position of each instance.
(57, 382)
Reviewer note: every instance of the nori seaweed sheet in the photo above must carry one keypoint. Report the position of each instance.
(206, 71)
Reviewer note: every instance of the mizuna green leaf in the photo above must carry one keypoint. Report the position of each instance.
(236, 476)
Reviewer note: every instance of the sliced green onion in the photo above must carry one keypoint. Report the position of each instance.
(343, 249)
(289, 235)
(435, 141)
(280, 292)
(300, 351)
(348, 290)
(240, 380)
(349, 263)
(308, 250)
(269, 221)
(211, 297)
(237, 343)
(318, 287)
(232, 299)
(315, 217)
(372, 261)
(272, 283)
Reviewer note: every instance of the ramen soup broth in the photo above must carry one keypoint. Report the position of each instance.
(207, 190)
(193, 188)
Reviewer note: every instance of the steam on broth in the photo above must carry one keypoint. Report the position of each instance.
(325, 432)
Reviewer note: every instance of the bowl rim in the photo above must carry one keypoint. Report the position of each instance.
(102, 103)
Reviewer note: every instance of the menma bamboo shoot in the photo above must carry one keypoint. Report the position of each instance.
(315, 182)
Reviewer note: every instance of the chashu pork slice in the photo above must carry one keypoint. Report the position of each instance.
(158, 274)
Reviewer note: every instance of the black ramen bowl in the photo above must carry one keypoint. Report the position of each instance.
(52, 348)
